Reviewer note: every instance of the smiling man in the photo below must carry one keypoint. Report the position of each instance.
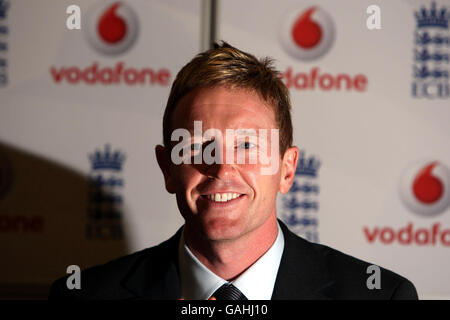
(229, 205)
(226, 181)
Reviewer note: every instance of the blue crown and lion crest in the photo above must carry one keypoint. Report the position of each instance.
(300, 205)
(307, 167)
(107, 159)
(4, 6)
(432, 17)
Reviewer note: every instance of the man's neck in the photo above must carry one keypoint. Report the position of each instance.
(228, 259)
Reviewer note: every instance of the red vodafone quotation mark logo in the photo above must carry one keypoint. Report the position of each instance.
(112, 27)
(425, 188)
(307, 33)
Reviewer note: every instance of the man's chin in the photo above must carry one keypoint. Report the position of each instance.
(222, 229)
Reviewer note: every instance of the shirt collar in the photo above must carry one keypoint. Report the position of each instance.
(256, 283)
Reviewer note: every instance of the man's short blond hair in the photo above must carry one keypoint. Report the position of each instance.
(225, 65)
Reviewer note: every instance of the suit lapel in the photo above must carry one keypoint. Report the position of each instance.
(302, 273)
(155, 275)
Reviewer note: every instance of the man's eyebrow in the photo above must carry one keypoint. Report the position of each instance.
(240, 132)
(246, 132)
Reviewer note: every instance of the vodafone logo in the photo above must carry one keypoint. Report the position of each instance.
(425, 188)
(307, 33)
(112, 27)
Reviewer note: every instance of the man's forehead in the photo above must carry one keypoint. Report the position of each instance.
(243, 126)
(236, 132)
(236, 108)
(222, 95)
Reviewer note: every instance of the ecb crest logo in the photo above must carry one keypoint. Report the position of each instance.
(300, 206)
(431, 65)
(4, 31)
(105, 195)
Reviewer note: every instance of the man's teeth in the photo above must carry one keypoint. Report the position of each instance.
(222, 197)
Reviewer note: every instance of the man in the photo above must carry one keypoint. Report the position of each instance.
(215, 159)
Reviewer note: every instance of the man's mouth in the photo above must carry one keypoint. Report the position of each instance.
(222, 197)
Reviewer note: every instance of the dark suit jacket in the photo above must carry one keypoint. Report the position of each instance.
(307, 271)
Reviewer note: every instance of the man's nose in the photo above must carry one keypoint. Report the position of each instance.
(216, 164)
(220, 170)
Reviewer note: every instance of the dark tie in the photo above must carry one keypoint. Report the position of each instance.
(229, 292)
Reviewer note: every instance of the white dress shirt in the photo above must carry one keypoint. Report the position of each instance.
(256, 283)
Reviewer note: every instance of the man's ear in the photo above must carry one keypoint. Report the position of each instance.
(288, 166)
(162, 156)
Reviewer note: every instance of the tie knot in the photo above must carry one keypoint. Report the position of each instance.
(229, 292)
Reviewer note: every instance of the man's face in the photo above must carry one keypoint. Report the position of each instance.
(198, 187)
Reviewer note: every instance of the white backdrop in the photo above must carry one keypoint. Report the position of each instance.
(366, 143)
(364, 139)
(50, 129)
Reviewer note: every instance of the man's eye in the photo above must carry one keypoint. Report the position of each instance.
(246, 145)
(196, 146)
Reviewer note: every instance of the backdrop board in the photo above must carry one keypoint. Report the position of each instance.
(81, 112)
(371, 118)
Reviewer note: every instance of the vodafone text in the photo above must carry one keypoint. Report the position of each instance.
(119, 74)
(18, 223)
(409, 235)
(317, 80)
